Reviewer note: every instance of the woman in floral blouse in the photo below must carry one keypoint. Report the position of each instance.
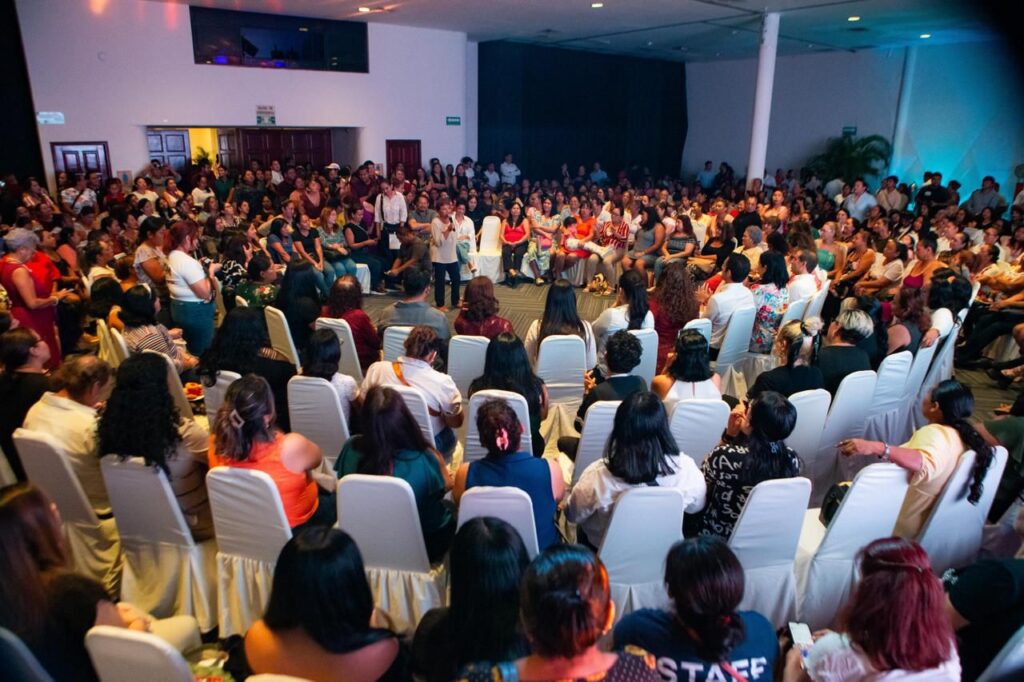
(770, 301)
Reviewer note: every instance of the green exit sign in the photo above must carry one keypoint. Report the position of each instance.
(453, 120)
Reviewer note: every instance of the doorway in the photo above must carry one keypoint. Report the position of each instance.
(81, 157)
(405, 152)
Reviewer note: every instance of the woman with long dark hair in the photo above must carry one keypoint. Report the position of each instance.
(649, 240)
(688, 374)
(478, 315)
(515, 239)
(908, 310)
(139, 419)
(673, 304)
(345, 302)
(299, 300)
(139, 310)
(320, 359)
(771, 298)
(392, 444)
(631, 310)
(640, 452)
(704, 629)
(755, 451)
(561, 317)
(932, 453)
(23, 381)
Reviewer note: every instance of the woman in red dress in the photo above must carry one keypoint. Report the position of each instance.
(33, 299)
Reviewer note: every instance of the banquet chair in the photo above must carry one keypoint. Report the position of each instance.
(736, 340)
(645, 523)
(380, 514)
(703, 325)
(251, 530)
(93, 543)
(466, 357)
(648, 366)
(561, 364)
(915, 379)
(472, 449)
(363, 277)
(826, 560)
(488, 256)
(598, 423)
(845, 419)
(811, 412)
(937, 372)
(166, 572)
(883, 420)
(213, 396)
(1008, 663)
(105, 352)
(417, 403)
(697, 425)
(281, 335)
(817, 302)
(123, 655)
(349, 358)
(511, 505)
(315, 411)
(174, 386)
(794, 311)
(765, 540)
(118, 347)
(18, 662)
(394, 342)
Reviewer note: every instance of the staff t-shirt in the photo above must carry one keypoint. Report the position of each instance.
(677, 661)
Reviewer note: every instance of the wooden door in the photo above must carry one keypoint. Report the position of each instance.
(312, 145)
(227, 148)
(406, 152)
(170, 147)
(81, 157)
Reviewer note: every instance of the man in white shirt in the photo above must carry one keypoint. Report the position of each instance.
(803, 284)
(510, 171)
(730, 296)
(706, 177)
(860, 201)
(491, 176)
(833, 187)
(701, 221)
(598, 175)
(890, 198)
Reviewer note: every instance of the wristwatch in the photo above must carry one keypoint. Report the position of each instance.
(885, 453)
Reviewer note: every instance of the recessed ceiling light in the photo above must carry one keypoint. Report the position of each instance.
(853, 18)
(926, 35)
(364, 10)
(596, 5)
(303, 29)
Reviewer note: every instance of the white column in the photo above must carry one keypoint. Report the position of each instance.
(900, 143)
(763, 96)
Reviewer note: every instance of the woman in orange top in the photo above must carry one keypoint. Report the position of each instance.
(579, 229)
(245, 436)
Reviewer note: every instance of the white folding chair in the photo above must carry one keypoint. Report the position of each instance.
(794, 311)
(811, 412)
(466, 356)
(488, 256)
(1008, 663)
(473, 450)
(94, 544)
(765, 539)
(648, 366)
(887, 402)
(645, 523)
(597, 429)
(213, 396)
(166, 572)
(118, 347)
(561, 364)
(697, 425)
(394, 342)
(174, 386)
(703, 325)
(511, 505)
(18, 662)
(251, 529)
(106, 352)
(123, 655)
(953, 532)
(281, 335)
(315, 411)
(380, 514)
(737, 338)
(349, 358)
(817, 302)
(845, 419)
(420, 408)
(912, 388)
(826, 560)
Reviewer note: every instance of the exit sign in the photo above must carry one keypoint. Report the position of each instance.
(453, 120)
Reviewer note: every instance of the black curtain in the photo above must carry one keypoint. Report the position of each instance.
(19, 138)
(549, 106)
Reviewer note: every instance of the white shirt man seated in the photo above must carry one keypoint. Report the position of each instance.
(803, 284)
(730, 296)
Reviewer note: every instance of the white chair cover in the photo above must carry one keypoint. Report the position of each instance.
(281, 335)
(118, 347)
(811, 412)
(363, 277)
(765, 540)
(697, 425)
(394, 342)
(795, 311)
(561, 363)
(645, 523)
(488, 256)
(511, 505)
(1008, 663)
(94, 544)
(737, 338)
(349, 358)
(417, 404)
(105, 352)
(174, 386)
(738, 378)
(826, 558)
(251, 530)
(241, 302)
(937, 372)
(380, 514)
(315, 411)
(952, 534)
(18, 662)
(166, 572)
(123, 655)
(845, 419)
(466, 356)
(702, 325)
(915, 379)
(597, 429)
(473, 450)
(213, 396)
(883, 422)
(817, 302)
(648, 366)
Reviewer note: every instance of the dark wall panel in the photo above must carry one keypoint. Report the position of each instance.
(548, 106)
(19, 138)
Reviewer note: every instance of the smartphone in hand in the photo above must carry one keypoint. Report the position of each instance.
(802, 639)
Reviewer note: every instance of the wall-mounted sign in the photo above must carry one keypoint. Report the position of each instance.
(50, 118)
(849, 131)
(453, 120)
(266, 115)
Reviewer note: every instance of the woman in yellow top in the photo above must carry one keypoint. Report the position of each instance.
(932, 453)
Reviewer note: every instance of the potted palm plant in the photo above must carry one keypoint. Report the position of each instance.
(850, 157)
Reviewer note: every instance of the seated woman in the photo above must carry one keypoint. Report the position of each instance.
(320, 359)
(754, 451)
(515, 239)
(307, 632)
(688, 374)
(561, 317)
(704, 628)
(479, 313)
(506, 465)
(873, 643)
(485, 566)
(908, 313)
(337, 258)
(630, 310)
(640, 452)
(260, 288)
(24, 380)
(648, 246)
(140, 420)
(841, 355)
(362, 248)
(393, 445)
(139, 309)
(771, 298)
(883, 277)
(345, 302)
(673, 304)
(245, 436)
(932, 453)
(545, 228)
(831, 253)
(507, 368)
(794, 348)
(566, 606)
(680, 243)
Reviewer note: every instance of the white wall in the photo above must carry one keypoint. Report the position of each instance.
(472, 118)
(131, 66)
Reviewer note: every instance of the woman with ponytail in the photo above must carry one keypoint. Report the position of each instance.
(932, 453)
(795, 347)
(631, 309)
(703, 635)
(753, 450)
